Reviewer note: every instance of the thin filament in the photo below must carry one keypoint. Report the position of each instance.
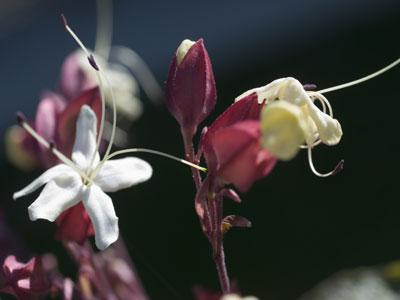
(323, 100)
(145, 150)
(104, 29)
(360, 80)
(56, 152)
(77, 40)
(337, 169)
(102, 93)
(140, 70)
(114, 124)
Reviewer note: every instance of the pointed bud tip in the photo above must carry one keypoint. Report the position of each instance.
(20, 118)
(92, 62)
(339, 167)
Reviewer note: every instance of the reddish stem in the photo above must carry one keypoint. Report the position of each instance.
(187, 136)
(219, 253)
(219, 260)
(213, 210)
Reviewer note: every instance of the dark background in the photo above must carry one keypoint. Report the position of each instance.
(304, 228)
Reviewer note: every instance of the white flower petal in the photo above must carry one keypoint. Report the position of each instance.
(50, 174)
(85, 139)
(102, 214)
(282, 129)
(59, 194)
(329, 129)
(122, 173)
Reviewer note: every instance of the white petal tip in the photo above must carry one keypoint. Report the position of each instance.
(103, 243)
(34, 214)
(183, 49)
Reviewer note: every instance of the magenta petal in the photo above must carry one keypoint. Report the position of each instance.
(239, 156)
(245, 109)
(190, 90)
(74, 225)
(73, 78)
(49, 109)
(24, 280)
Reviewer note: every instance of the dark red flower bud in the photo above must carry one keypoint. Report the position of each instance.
(74, 225)
(190, 89)
(237, 155)
(23, 280)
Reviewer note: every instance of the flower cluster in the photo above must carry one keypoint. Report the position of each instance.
(243, 144)
(68, 136)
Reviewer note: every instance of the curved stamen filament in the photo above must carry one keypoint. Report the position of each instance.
(320, 101)
(103, 117)
(337, 169)
(145, 150)
(360, 80)
(140, 70)
(104, 29)
(114, 123)
(56, 152)
(99, 74)
(323, 100)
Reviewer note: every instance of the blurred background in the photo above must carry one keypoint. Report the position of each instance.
(304, 228)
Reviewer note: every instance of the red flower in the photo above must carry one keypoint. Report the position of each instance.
(25, 281)
(239, 158)
(74, 225)
(232, 148)
(190, 89)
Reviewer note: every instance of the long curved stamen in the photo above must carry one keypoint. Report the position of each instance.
(114, 123)
(50, 146)
(104, 28)
(357, 81)
(144, 150)
(323, 104)
(324, 101)
(337, 169)
(101, 86)
(140, 70)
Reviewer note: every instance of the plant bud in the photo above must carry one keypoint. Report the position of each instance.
(190, 89)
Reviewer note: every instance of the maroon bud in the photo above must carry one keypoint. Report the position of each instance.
(190, 89)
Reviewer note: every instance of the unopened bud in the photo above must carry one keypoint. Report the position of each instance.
(190, 89)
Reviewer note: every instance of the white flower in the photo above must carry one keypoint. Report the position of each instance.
(290, 118)
(86, 181)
